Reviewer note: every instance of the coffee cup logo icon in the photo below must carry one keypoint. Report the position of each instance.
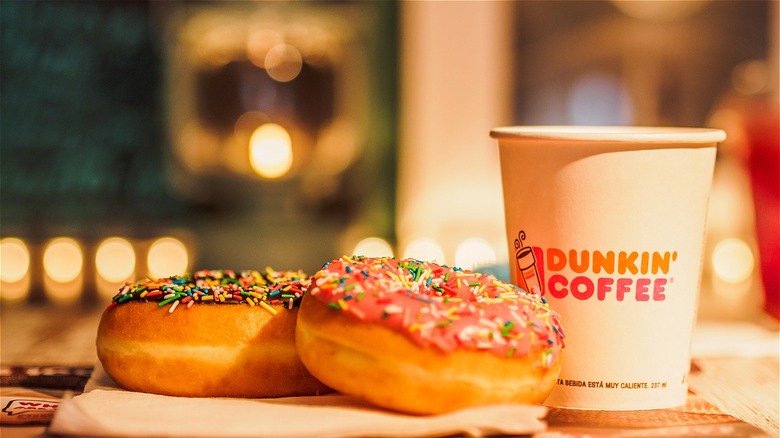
(527, 272)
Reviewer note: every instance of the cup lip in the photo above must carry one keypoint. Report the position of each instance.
(644, 134)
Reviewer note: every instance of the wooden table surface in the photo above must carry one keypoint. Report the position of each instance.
(48, 335)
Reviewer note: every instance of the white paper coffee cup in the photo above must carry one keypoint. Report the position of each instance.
(609, 223)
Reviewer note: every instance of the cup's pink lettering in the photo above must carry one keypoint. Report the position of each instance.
(659, 289)
(581, 288)
(555, 290)
(604, 286)
(642, 287)
(623, 287)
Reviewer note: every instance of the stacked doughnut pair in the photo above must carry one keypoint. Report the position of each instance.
(407, 335)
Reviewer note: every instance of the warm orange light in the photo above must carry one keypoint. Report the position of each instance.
(336, 148)
(14, 259)
(167, 256)
(14, 270)
(115, 259)
(751, 77)
(63, 259)
(16, 291)
(270, 151)
(373, 247)
(473, 252)
(283, 62)
(732, 260)
(259, 43)
(424, 249)
(660, 10)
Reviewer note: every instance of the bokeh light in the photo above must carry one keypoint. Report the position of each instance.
(259, 42)
(474, 252)
(115, 259)
(751, 77)
(14, 270)
(167, 256)
(14, 259)
(336, 148)
(283, 62)
(270, 151)
(660, 10)
(732, 260)
(373, 247)
(63, 259)
(425, 249)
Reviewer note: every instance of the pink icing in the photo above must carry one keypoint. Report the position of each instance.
(439, 306)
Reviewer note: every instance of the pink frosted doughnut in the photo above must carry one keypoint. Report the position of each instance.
(419, 337)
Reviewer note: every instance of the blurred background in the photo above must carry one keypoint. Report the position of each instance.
(155, 137)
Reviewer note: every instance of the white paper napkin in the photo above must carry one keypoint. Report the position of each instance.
(105, 410)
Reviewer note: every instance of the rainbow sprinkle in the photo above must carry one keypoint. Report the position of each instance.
(263, 289)
(436, 305)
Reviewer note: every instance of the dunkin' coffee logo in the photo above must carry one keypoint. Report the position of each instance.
(588, 274)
